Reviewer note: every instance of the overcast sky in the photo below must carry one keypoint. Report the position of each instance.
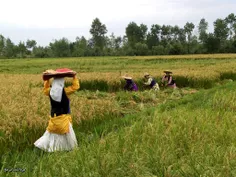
(45, 20)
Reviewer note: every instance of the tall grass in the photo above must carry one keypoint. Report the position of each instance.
(121, 133)
(26, 119)
(94, 67)
(228, 75)
(193, 136)
(181, 81)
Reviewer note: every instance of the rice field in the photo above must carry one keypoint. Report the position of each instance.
(183, 132)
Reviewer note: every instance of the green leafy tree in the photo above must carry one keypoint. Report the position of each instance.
(176, 49)
(165, 34)
(221, 30)
(234, 46)
(182, 36)
(21, 49)
(98, 31)
(40, 52)
(80, 47)
(113, 45)
(118, 42)
(175, 33)
(234, 30)
(2, 45)
(143, 32)
(158, 50)
(153, 37)
(111, 41)
(212, 43)
(231, 21)
(60, 48)
(9, 50)
(159, 40)
(141, 49)
(30, 44)
(202, 30)
(189, 29)
(195, 45)
(135, 34)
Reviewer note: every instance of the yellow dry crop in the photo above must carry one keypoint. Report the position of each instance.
(23, 103)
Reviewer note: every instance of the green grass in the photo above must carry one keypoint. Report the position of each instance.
(146, 134)
(192, 136)
(124, 103)
(203, 73)
(108, 64)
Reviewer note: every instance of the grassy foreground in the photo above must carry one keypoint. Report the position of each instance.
(192, 136)
(186, 132)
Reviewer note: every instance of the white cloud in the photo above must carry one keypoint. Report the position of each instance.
(20, 19)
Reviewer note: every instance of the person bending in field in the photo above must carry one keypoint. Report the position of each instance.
(150, 82)
(167, 80)
(59, 135)
(130, 85)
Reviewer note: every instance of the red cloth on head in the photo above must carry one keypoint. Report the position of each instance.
(62, 70)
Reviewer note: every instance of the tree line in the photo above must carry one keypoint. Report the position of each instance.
(138, 40)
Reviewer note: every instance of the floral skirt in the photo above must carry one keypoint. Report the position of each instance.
(51, 142)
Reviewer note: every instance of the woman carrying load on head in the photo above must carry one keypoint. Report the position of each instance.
(130, 85)
(59, 135)
(167, 79)
(151, 82)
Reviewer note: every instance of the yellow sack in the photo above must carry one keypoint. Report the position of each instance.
(59, 124)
